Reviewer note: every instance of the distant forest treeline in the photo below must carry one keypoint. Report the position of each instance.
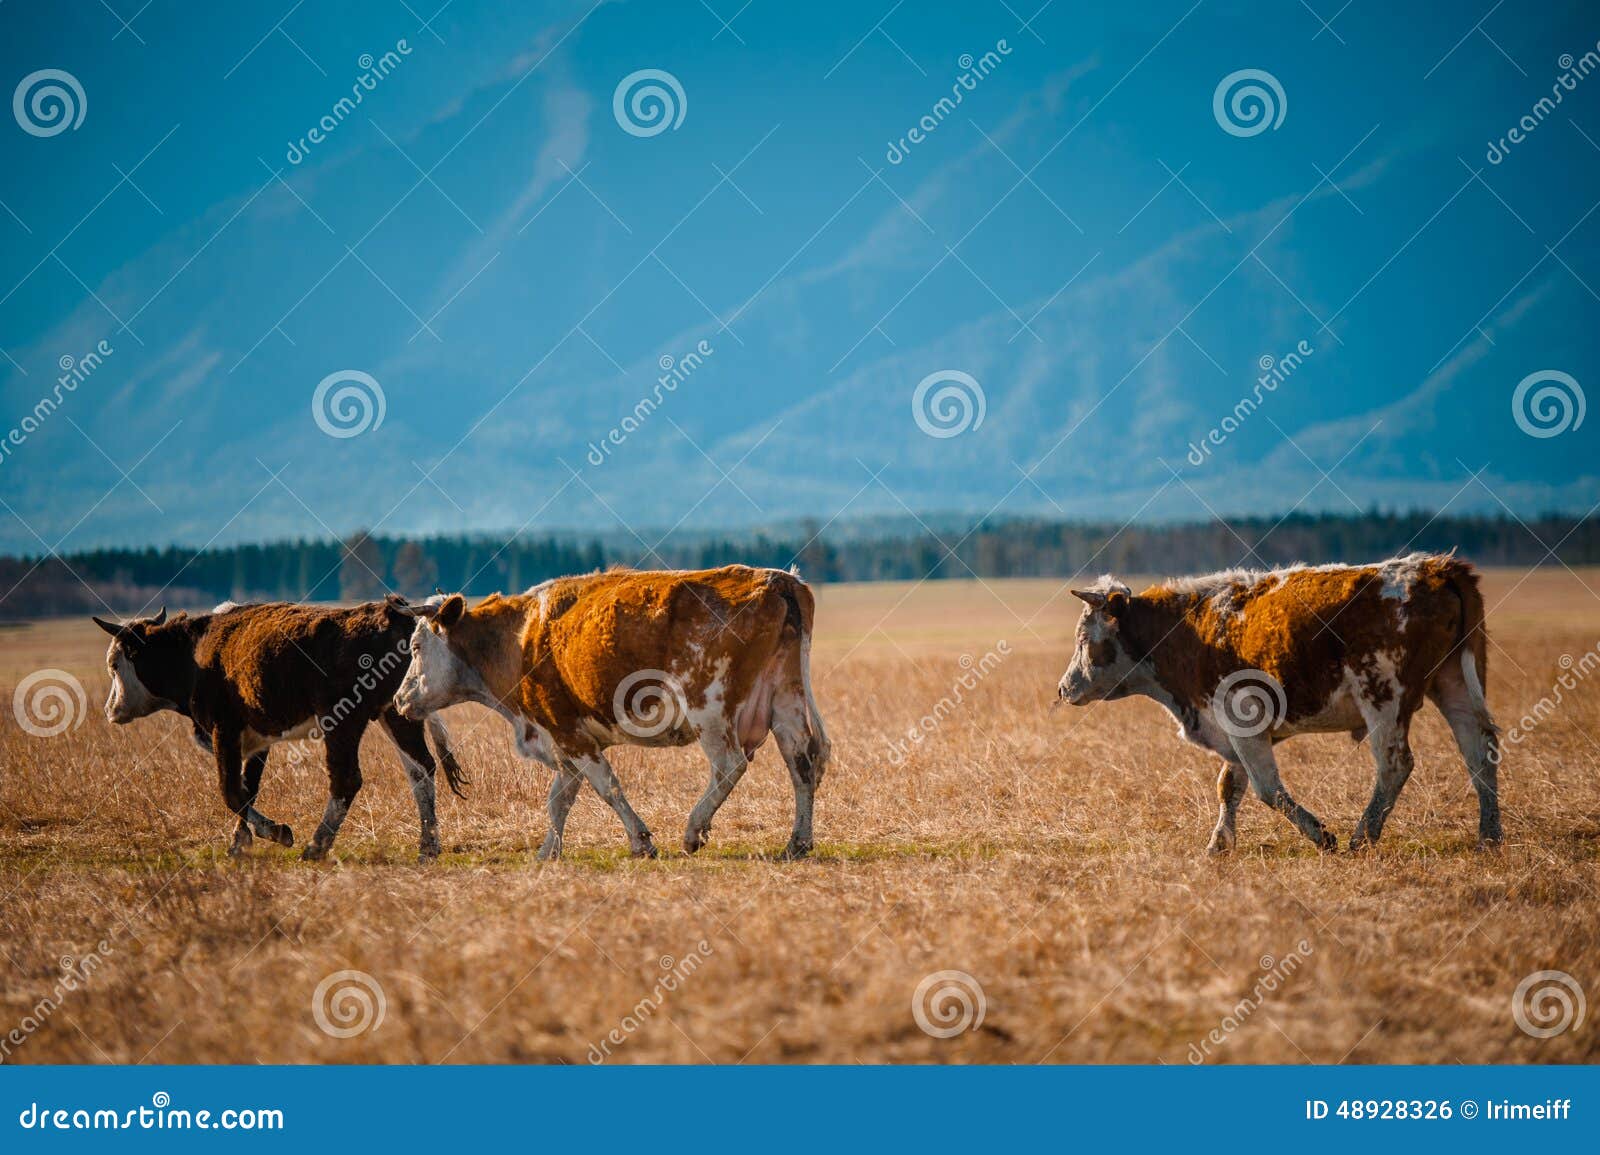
(366, 566)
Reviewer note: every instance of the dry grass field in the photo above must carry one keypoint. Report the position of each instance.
(1055, 856)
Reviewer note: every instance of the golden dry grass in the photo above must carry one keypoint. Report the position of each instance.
(1055, 856)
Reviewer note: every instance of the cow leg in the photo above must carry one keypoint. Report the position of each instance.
(255, 822)
(603, 778)
(1391, 750)
(728, 765)
(803, 758)
(1230, 792)
(1262, 769)
(344, 782)
(564, 789)
(230, 777)
(410, 741)
(1476, 734)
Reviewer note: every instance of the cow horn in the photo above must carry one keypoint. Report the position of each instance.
(160, 617)
(109, 627)
(1094, 598)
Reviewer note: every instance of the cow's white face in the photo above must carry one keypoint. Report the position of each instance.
(129, 698)
(1102, 668)
(436, 678)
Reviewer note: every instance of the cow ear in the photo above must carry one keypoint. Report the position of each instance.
(450, 610)
(1094, 599)
(1116, 603)
(109, 627)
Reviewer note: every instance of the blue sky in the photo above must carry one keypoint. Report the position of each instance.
(1081, 239)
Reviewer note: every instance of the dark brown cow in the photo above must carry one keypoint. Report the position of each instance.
(1245, 658)
(580, 664)
(249, 676)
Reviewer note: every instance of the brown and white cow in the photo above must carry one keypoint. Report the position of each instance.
(248, 676)
(1246, 658)
(643, 658)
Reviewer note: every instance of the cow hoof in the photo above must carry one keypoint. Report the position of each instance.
(694, 840)
(795, 851)
(239, 848)
(1491, 843)
(427, 854)
(314, 853)
(281, 834)
(647, 850)
(1328, 843)
(550, 848)
(1219, 846)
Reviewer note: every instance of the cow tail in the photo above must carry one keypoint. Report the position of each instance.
(1473, 640)
(799, 616)
(447, 756)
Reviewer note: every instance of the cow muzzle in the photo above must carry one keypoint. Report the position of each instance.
(408, 701)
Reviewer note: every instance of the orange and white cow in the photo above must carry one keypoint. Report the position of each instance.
(1246, 658)
(641, 658)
